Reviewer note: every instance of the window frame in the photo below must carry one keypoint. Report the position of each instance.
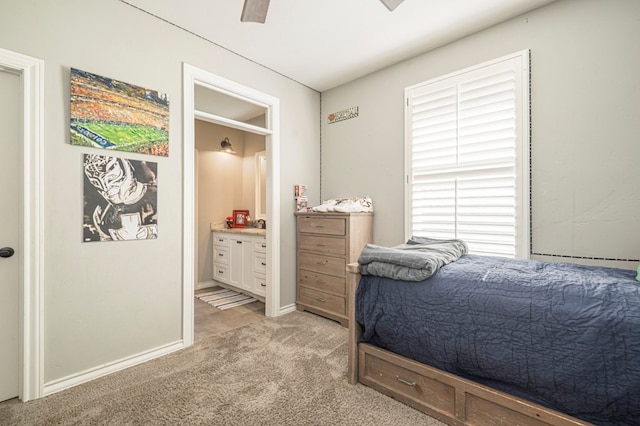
(523, 146)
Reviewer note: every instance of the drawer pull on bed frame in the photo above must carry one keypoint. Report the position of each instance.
(404, 382)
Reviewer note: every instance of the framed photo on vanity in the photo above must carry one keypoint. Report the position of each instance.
(240, 218)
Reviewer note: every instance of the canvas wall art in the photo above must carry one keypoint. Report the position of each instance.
(120, 199)
(111, 114)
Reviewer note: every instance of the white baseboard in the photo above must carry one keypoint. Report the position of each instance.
(109, 368)
(287, 309)
(205, 284)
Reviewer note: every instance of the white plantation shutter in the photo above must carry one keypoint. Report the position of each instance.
(468, 156)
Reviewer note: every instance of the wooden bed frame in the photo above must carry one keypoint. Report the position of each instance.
(445, 396)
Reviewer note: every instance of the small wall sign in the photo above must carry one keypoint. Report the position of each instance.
(345, 114)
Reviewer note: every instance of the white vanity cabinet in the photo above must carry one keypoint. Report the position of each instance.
(221, 258)
(259, 267)
(239, 260)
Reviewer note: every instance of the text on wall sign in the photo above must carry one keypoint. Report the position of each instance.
(345, 114)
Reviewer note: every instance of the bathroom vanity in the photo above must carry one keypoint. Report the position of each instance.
(240, 260)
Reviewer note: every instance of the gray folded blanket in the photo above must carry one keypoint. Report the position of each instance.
(416, 260)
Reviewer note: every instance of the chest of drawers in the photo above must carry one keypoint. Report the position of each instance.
(326, 243)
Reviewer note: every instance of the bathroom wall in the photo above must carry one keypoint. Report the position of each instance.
(225, 182)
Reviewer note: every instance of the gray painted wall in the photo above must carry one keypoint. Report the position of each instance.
(585, 109)
(108, 301)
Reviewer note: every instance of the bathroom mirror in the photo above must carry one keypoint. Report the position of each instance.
(261, 185)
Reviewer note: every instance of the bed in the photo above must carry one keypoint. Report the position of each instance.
(495, 341)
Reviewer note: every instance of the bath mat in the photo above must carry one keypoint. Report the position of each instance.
(225, 299)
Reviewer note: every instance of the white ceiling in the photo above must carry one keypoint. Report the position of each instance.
(325, 43)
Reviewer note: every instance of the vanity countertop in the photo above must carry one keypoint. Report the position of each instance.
(246, 231)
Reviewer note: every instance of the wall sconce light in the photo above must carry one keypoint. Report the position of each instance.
(225, 146)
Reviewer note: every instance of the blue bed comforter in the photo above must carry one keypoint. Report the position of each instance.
(563, 335)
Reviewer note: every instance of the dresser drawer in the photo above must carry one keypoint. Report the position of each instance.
(323, 264)
(326, 243)
(322, 282)
(319, 244)
(324, 301)
(322, 225)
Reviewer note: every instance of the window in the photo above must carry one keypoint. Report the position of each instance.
(467, 145)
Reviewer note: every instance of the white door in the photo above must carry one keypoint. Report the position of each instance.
(10, 122)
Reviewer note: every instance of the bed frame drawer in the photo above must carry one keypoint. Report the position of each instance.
(323, 264)
(447, 397)
(404, 383)
(329, 245)
(323, 301)
(322, 225)
(322, 282)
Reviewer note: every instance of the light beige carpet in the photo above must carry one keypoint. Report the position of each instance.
(285, 371)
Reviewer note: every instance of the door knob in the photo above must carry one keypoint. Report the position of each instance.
(6, 252)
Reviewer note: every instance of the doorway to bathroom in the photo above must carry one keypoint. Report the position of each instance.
(229, 105)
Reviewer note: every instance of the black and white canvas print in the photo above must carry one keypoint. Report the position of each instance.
(120, 199)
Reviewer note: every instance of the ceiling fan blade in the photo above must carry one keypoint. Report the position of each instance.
(255, 11)
(391, 4)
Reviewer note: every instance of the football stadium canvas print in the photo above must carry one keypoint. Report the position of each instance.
(120, 199)
(110, 114)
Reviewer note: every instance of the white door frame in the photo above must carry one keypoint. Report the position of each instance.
(31, 71)
(192, 76)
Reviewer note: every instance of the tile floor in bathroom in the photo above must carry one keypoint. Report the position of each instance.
(210, 321)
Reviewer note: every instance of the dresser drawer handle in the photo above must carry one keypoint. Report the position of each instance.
(321, 300)
(321, 245)
(264, 246)
(263, 284)
(221, 272)
(324, 262)
(238, 242)
(318, 225)
(404, 382)
(220, 254)
(263, 264)
(318, 280)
